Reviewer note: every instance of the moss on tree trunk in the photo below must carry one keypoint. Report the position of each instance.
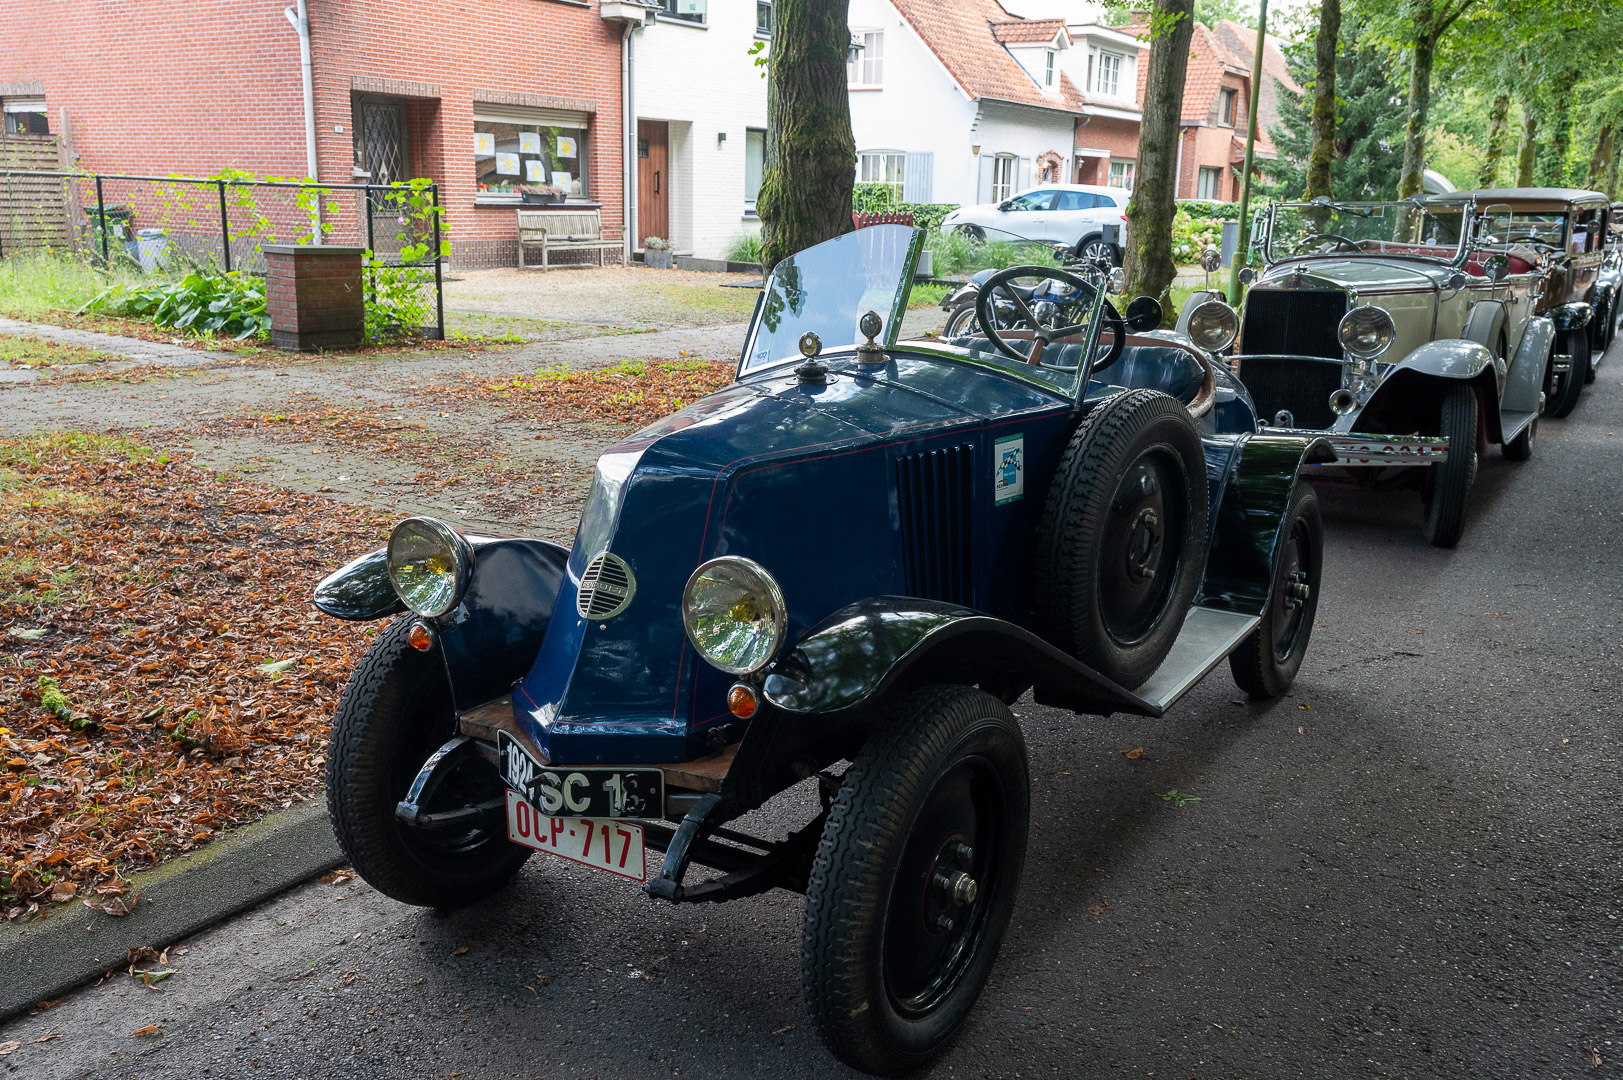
(1324, 101)
(1148, 260)
(1600, 159)
(1498, 125)
(1552, 170)
(811, 157)
(1527, 149)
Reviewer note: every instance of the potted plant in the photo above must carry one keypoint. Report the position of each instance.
(540, 193)
(656, 252)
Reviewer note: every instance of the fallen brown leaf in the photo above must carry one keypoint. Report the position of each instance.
(1134, 754)
(52, 1037)
(150, 1029)
(9, 1048)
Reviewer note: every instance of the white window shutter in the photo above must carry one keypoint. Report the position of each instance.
(1022, 176)
(983, 190)
(920, 173)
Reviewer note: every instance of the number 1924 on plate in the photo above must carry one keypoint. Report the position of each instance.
(605, 844)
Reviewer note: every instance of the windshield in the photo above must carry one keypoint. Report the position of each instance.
(827, 288)
(1296, 230)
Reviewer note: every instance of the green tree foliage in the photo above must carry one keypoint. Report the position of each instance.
(1369, 120)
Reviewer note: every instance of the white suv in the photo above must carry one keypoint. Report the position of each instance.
(1064, 213)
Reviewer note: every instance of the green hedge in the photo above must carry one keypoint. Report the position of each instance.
(1204, 210)
(881, 199)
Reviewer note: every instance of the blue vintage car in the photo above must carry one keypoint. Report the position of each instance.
(860, 552)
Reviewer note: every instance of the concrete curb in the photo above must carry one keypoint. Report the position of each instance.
(240, 869)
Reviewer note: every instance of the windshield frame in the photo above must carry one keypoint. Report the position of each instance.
(1462, 247)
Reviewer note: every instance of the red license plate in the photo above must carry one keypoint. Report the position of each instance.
(601, 843)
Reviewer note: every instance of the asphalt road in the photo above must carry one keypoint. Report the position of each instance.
(1410, 868)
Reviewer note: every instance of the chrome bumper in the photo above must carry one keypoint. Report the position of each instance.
(1354, 449)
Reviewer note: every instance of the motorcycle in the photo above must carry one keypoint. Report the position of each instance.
(1050, 300)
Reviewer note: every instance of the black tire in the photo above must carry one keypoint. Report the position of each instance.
(1123, 535)
(1448, 486)
(961, 322)
(395, 712)
(1266, 663)
(1565, 387)
(972, 232)
(1093, 247)
(887, 986)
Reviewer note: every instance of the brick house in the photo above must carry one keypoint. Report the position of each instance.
(482, 98)
(1212, 129)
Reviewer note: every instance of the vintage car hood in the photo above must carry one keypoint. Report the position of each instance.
(794, 477)
(1363, 274)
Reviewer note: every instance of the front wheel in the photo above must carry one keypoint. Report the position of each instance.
(972, 232)
(1449, 486)
(395, 712)
(1565, 386)
(915, 879)
(1266, 663)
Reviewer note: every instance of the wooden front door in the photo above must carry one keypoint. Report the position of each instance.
(653, 180)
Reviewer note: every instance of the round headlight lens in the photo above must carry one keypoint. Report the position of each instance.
(429, 563)
(734, 614)
(1365, 332)
(1213, 325)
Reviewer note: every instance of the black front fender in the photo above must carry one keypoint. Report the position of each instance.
(888, 644)
(490, 639)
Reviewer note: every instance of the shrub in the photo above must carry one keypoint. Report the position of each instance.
(746, 248)
(1206, 210)
(1191, 235)
(204, 302)
(871, 198)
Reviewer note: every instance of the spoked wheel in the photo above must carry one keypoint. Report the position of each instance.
(395, 713)
(962, 321)
(1123, 535)
(1448, 485)
(915, 879)
(1266, 663)
(1096, 250)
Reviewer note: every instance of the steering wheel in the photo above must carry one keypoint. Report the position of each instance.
(1537, 241)
(1042, 335)
(1342, 243)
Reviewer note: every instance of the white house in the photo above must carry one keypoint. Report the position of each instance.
(700, 107)
(957, 101)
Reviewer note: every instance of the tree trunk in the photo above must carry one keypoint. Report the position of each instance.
(1412, 180)
(1527, 150)
(1324, 100)
(1601, 159)
(1611, 169)
(811, 157)
(1498, 123)
(1148, 260)
(1555, 168)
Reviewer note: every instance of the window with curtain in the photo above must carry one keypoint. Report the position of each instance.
(1121, 174)
(1002, 177)
(888, 167)
(868, 67)
(754, 165)
(1208, 184)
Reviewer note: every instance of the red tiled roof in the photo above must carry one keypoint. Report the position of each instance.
(1028, 31)
(961, 34)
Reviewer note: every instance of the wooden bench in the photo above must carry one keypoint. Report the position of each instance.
(565, 230)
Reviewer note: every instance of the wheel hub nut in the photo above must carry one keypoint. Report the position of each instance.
(959, 888)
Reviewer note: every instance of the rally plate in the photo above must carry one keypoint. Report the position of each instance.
(585, 792)
(615, 846)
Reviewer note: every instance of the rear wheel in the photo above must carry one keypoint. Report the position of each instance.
(961, 322)
(972, 232)
(1448, 487)
(394, 713)
(915, 879)
(1266, 663)
(1123, 535)
(1565, 386)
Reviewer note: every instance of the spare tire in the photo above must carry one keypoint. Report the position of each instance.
(1123, 536)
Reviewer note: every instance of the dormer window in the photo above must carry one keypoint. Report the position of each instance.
(1107, 74)
(1226, 106)
(1048, 68)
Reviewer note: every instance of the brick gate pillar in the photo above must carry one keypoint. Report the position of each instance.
(314, 296)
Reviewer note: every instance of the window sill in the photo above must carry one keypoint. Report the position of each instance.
(763, 35)
(750, 215)
(664, 19)
(855, 89)
(572, 204)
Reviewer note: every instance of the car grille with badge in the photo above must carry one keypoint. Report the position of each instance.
(1283, 329)
(1291, 391)
(577, 813)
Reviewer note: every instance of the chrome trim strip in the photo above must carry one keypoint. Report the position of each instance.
(1353, 450)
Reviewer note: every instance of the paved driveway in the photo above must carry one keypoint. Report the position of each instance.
(1410, 868)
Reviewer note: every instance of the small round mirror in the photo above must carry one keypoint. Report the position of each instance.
(1116, 282)
(1210, 260)
(870, 324)
(1143, 314)
(810, 344)
(1248, 275)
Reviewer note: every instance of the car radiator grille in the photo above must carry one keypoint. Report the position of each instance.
(1299, 385)
(1296, 322)
(933, 493)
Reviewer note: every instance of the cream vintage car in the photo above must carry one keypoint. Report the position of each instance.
(1401, 333)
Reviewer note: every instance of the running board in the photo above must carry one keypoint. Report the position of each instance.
(1208, 635)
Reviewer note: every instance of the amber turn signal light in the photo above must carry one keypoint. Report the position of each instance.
(741, 701)
(420, 637)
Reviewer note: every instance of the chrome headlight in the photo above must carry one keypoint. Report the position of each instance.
(1213, 326)
(429, 565)
(734, 614)
(1365, 332)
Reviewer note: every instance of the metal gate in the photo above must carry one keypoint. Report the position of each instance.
(384, 154)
